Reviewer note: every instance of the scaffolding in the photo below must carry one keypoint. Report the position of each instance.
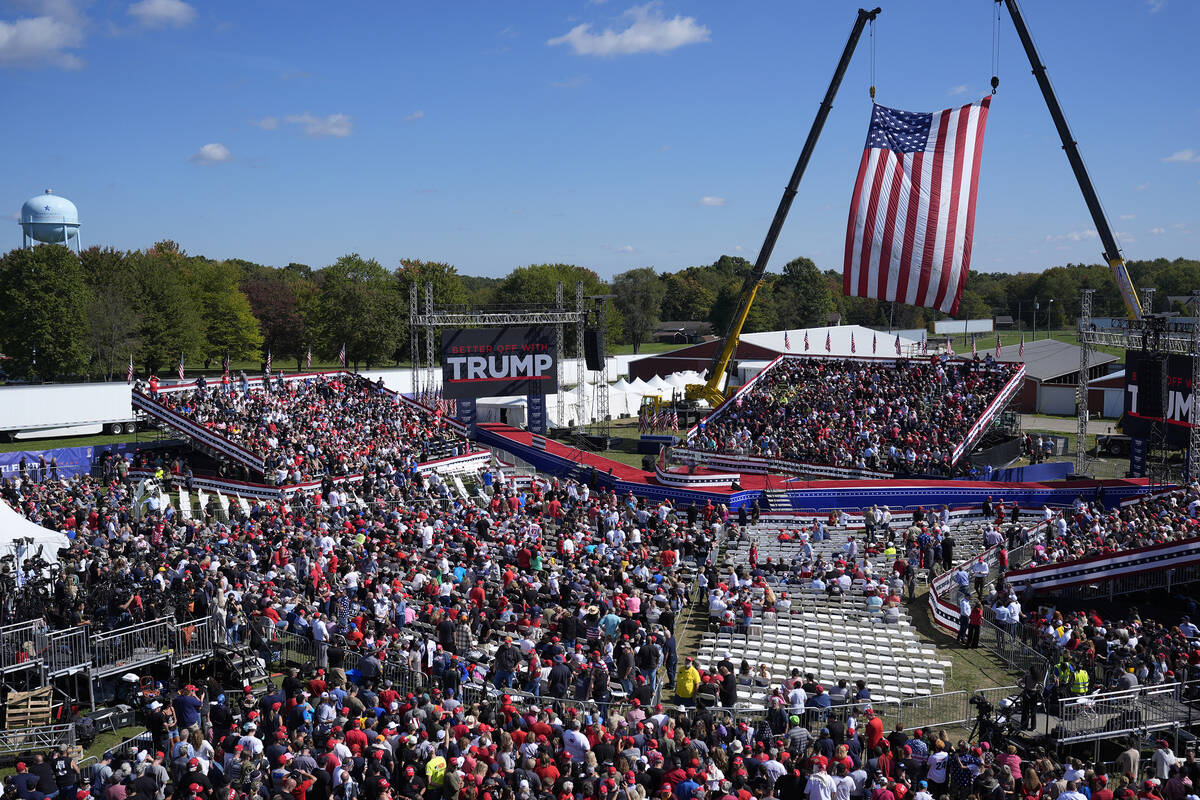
(1159, 337)
(434, 318)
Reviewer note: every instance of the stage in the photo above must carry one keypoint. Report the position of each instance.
(780, 493)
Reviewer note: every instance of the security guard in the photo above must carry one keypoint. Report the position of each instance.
(1079, 681)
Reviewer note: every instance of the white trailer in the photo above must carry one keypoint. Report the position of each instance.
(66, 409)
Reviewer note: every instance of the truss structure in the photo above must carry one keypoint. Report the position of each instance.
(433, 319)
(1154, 334)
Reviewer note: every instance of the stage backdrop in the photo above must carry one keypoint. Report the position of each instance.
(496, 362)
(1143, 397)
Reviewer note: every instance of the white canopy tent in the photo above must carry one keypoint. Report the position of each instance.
(21, 538)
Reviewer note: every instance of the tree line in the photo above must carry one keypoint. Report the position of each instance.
(64, 315)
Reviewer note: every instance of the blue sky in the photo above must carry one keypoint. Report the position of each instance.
(605, 134)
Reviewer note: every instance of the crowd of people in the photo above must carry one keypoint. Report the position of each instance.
(1088, 649)
(903, 418)
(314, 426)
(535, 632)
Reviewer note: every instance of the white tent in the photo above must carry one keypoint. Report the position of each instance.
(21, 538)
(657, 385)
(620, 386)
(639, 386)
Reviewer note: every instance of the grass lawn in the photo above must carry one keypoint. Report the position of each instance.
(69, 441)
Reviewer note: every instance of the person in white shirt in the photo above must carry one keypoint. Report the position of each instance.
(1163, 759)
(575, 744)
(320, 634)
(820, 785)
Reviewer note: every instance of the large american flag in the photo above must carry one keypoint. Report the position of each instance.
(912, 214)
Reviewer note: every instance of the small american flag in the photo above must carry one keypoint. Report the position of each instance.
(897, 344)
(129, 373)
(342, 356)
(806, 341)
(674, 419)
(912, 213)
(874, 342)
(181, 366)
(787, 341)
(974, 349)
(924, 344)
(949, 346)
(268, 361)
(853, 349)
(997, 348)
(641, 420)
(308, 359)
(828, 347)
(1021, 349)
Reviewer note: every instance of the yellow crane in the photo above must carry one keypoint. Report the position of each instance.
(713, 389)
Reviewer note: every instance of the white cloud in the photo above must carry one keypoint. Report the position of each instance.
(647, 32)
(46, 39)
(339, 125)
(266, 123)
(1158, 230)
(1128, 216)
(213, 153)
(960, 89)
(162, 13)
(414, 116)
(709, 200)
(1072, 236)
(1183, 157)
(1156, 5)
(1141, 187)
(626, 249)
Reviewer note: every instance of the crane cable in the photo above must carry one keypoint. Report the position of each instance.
(996, 46)
(871, 36)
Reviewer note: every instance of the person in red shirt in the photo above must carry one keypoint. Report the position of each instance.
(874, 729)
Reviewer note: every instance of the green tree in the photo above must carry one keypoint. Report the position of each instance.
(275, 305)
(113, 316)
(802, 295)
(43, 311)
(689, 295)
(229, 325)
(168, 315)
(448, 289)
(359, 307)
(535, 285)
(639, 296)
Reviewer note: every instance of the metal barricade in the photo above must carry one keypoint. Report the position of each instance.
(130, 747)
(1104, 715)
(40, 739)
(290, 648)
(193, 641)
(947, 709)
(131, 647)
(16, 641)
(65, 652)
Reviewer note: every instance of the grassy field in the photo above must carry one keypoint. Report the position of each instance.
(70, 441)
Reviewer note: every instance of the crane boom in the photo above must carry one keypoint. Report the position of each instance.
(1112, 253)
(711, 390)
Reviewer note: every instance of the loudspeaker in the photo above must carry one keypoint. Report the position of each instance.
(593, 348)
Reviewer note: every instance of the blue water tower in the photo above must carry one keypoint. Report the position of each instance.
(50, 219)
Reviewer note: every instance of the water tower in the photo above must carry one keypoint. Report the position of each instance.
(51, 219)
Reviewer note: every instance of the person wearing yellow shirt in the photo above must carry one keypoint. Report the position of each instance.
(687, 680)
